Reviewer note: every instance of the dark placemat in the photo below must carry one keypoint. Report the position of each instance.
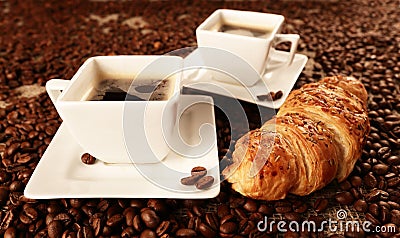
(44, 40)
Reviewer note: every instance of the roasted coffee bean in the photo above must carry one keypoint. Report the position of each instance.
(278, 95)
(191, 180)
(292, 216)
(235, 202)
(346, 185)
(163, 228)
(283, 209)
(3, 195)
(212, 220)
(267, 210)
(299, 207)
(320, 204)
(227, 218)
(395, 217)
(239, 213)
(158, 205)
(53, 208)
(372, 219)
(223, 210)
(356, 192)
(111, 211)
(55, 229)
(199, 171)
(380, 169)
(183, 232)
(129, 214)
(383, 151)
(148, 234)
(115, 220)
(206, 231)
(228, 227)
(250, 205)
(127, 232)
(11, 232)
(375, 195)
(370, 180)
(246, 226)
(75, 202)
(4, 176)
(28, 215)
(96, 226)
(205, 182)
(393, 160)
(103, 205)
(194, 223)
(374, 209)
(384, 214)
(198, 211)
(88, 159)
(64, 218)
(256, 216)
(356, 181)
(150, 218)
(360, 205)
(137, 223)
(344, 198)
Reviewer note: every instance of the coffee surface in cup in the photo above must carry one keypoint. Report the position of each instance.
(125, 90)
(244, 31)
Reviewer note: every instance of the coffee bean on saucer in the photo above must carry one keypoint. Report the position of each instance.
(205, 182)
(88, 159)
(264, 97)
(278, 95)
(199, 170)
(272, 96)
(191, 180)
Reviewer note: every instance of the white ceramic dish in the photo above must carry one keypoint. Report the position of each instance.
(61, 174)
(282, 78)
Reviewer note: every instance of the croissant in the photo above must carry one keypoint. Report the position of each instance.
(317, 136)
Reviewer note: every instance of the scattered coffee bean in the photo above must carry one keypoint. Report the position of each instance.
(320, 204)
(150, 218)
(344, 198)
(205, 182)
(185, 233)
(54, 229)
(272, 96)
(228, 227)
(88, 159)
(199, 171)
(191, 180)
(360, 205)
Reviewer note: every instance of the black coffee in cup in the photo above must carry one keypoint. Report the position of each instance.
(125, 90)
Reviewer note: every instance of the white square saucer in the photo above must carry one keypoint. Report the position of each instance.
(282, 78)
(61, 174)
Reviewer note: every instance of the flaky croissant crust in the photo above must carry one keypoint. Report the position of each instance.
(317, 136)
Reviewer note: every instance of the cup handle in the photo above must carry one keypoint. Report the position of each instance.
(54, 88)
(293, 39)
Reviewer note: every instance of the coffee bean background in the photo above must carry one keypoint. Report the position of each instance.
(51, 39)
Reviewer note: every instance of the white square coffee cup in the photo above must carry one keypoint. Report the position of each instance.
(100, 127)
(252, 49)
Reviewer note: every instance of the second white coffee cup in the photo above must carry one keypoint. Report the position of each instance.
(248, 35)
